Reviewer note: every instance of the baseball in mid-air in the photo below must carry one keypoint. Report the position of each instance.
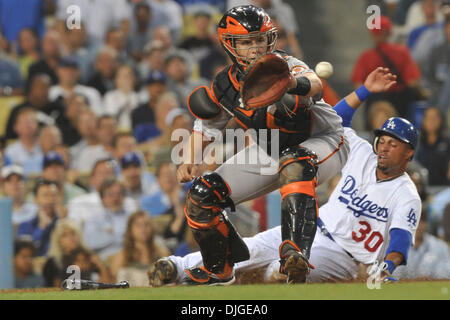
(324, 69)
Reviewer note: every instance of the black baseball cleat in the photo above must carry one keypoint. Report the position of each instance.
(162, 273)
(293, 263)
(201, 276)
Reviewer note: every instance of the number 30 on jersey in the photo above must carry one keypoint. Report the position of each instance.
(372, 239)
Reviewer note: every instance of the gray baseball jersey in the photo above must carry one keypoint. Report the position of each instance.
(249, 179)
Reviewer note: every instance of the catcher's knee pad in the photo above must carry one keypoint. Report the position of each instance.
(219, 243)
(298, 168)
(297, 164)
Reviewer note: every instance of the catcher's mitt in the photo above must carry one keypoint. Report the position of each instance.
(266, 81)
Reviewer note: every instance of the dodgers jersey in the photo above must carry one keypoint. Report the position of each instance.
(325, 120)
(361, 211)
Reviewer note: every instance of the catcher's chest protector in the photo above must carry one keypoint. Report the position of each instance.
(293, 120)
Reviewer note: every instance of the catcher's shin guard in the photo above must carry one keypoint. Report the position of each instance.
(220, 244)
(298, 168)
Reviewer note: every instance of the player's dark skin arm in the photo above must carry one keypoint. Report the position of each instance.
(395, 257)
(379, 80)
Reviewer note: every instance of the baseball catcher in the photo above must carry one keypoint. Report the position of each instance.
(263, 89)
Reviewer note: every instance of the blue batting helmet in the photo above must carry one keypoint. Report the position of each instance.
(399, 128)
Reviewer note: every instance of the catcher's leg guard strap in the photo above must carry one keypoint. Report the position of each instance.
(299, 221)
(220, 244)
(299, 206)
(211, 235)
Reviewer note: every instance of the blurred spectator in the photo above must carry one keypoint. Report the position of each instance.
(121, 101)
(439, 207)
(106, 129)
(87, 129)
(24, 276)
(116, 40)
(284, 14)
(401, 10)
(419, 175)
(10, 78)
(192, 5)
(179, 75)
(203, 45)
(378, 113)
(174, 13)
(66, 242)
(47, 197)
(54, 169)
(140, 249)
(188, 245)
(158, 16)
(388, 7)
(103, 170)
(430, 11)
(49, 138)
(136, 180)
(68, 83)
(446, 223)
(212, 64)
(434, 147)
(67, 121)
(429, 257)
(98, 16)
(437, 71)
(166, 103)
(50, 55)
(203, 41)
(124, 143)
(14, 186)
(28, 50)
(166, 206)
(176, 118)
(145, 113)
(37, 99)
(141, 30)
(153, 59)
(19, 14)
(71, 175)
(105, 68)
(431, 38)
(79, 208)
(419, 12)
(77, 46)
(162, 33)
(26, 150)
(398, 59)
(104, 227)
(91, 266)
(65, 238)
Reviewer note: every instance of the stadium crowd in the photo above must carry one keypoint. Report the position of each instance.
(88, 105)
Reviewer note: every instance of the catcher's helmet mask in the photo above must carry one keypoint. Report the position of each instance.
(246, 23)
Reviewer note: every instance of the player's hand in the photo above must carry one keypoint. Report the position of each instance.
(379, 271)
(188, 172)
(380, 80)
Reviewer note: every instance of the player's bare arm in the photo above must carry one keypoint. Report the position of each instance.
(379, 80)
(190, 169)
